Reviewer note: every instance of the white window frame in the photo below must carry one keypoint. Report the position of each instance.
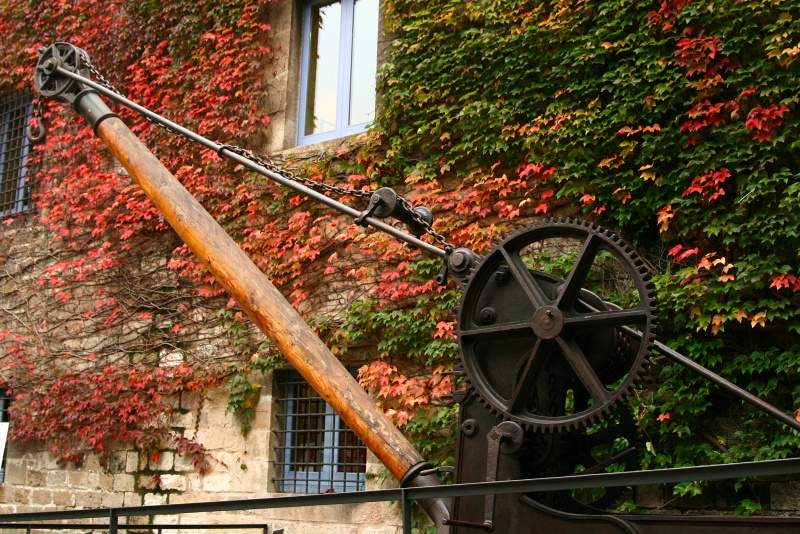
(343, 90)
(5, 402)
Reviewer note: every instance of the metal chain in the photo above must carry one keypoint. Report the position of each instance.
(36, 134)
(267, 162)
(39, 111)
(439, 238)
(99, 77)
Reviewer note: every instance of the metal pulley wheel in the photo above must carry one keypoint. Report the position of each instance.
(543, 348)
(49, 82)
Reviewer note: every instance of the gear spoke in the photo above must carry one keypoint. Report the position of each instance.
(533, 369)
(509, 330)
(69, 59)
(572, 286)
(532, 289)
(588, 377)
(607, 318)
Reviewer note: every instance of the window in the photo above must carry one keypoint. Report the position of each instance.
(340, 59)
(5, 402)
(15, 112)
(316, 453)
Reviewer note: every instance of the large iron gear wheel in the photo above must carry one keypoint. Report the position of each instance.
(543, 350)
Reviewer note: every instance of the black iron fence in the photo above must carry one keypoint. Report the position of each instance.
(43, 520)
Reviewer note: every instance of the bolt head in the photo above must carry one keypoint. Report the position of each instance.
(502, 277)
(458, 260)
(50, 65)
(488, 315)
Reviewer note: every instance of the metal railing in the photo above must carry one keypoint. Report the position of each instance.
(404, 495)
(91, 527)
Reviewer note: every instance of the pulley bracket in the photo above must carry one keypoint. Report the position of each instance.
(51, 83)
(385, 203)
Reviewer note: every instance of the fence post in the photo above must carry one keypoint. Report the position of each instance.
(406, 511)
(113, 521)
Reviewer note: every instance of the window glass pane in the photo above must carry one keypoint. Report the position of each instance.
(308, 427)
(351, 453)
(323, 68)
(4, 404)
(364, 61)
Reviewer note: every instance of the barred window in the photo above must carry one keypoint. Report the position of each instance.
(15, 112)
(316, 451)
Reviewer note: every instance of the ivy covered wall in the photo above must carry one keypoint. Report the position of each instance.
(105, 318)
(674, 123)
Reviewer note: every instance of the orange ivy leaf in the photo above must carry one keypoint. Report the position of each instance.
(759, 319)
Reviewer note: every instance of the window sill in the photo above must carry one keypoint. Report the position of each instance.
(316, 149)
